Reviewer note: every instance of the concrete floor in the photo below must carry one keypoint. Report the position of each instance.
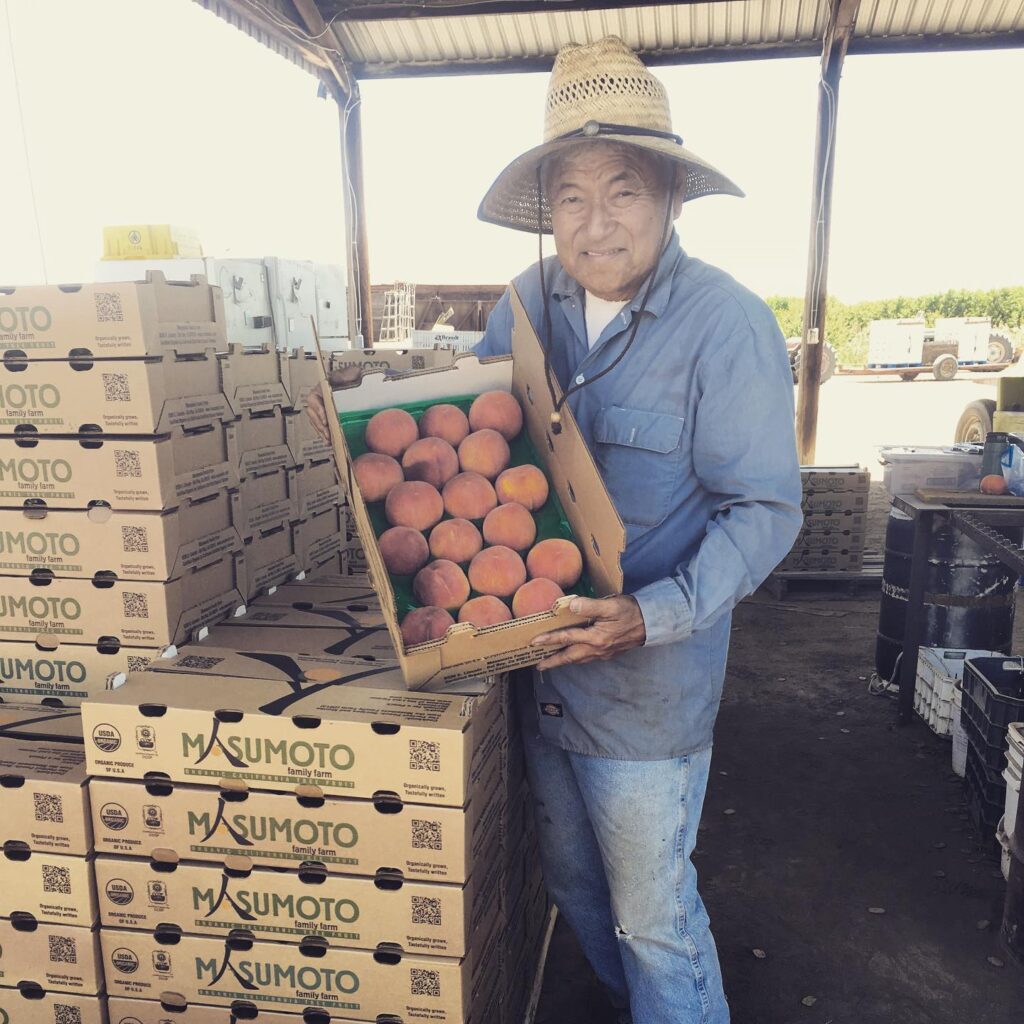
(835, 810)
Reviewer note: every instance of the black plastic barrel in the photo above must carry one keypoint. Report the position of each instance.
(968, 594)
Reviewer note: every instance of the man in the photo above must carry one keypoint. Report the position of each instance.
(679, 381)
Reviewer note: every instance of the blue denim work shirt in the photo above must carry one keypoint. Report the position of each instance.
(693, 435)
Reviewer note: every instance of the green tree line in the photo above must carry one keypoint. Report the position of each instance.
(846, 326)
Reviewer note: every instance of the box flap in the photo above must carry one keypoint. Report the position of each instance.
(588, 506)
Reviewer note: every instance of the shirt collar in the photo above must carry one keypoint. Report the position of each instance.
(564, 287)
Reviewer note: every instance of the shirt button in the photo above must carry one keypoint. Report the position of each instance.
(580, 379)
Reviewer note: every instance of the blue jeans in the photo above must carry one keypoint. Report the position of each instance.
(615, 842)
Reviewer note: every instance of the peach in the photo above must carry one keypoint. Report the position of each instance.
(432, 460)
(458, 540)
(557, 560)
(525, 484)
(423, 624)
(510, 525)
(498, 571)
(496, 410)
(485, 611)
(484, 452)
(390, 432)
(535, 596)
(442, 584)
(376, 475)
(414, 504)
(404, 550)
(447, 422)
(469, 496)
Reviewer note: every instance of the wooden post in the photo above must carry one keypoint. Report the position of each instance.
(837, 38)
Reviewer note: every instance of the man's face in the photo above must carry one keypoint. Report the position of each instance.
(607, 215)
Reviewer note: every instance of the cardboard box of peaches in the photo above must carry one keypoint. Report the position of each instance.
(478, 520)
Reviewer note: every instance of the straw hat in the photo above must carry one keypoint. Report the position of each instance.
(601, 91)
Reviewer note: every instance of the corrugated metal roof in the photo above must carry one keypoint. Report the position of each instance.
(380, 38)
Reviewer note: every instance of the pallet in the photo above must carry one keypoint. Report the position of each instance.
(823, 584)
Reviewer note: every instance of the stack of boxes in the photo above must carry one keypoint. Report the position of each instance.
(117, 470)
(835, 504)
(50, 965)
(399, 883)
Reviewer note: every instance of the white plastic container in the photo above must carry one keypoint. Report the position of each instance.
(970, 334)
(959, 733)
(896, 342)
(292, 286)
(1012, 772)
(331, 305)
(939, 669)
(906, 468)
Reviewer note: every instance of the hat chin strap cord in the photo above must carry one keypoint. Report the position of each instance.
(549, 373)
(593, 129)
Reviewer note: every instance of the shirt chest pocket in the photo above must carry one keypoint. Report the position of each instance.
(639, 455)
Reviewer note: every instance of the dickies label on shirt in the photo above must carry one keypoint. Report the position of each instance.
(551, 710)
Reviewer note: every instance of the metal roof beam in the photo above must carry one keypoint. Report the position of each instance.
(711, 55)
(385, 10)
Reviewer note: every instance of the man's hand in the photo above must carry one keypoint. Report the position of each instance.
(616, 626)
(315, 401)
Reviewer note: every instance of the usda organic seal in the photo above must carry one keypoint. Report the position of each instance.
(124, 960)
(119, 892)
(106, 738)
(114, 816)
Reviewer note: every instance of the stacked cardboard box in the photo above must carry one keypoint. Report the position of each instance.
(50, 965)
(117, 463)
(835, 502)
(310, 834)
(290, 495)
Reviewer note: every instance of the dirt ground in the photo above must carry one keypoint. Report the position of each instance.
(834, 810)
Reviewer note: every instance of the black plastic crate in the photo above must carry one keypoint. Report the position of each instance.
(994, 695)
(986, 795)
(976, 726)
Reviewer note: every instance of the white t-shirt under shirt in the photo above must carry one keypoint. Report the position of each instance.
(599, 314)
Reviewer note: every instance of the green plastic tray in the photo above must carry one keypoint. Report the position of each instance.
(551, 519)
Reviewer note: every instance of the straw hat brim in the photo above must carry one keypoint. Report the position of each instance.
(511, 201)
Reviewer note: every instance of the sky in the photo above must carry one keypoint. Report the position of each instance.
(159, 112)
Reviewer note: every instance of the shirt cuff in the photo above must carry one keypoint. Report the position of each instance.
(666, 612)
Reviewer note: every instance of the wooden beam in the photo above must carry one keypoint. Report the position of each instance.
(837, 37)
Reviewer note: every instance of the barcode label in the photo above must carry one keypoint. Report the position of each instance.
(115, 387)
(135, 605)
(197, 661)
(108, 310)
(134, 539)
(426, 910)
(127, 463)
(64, 1014)
(425, 983)
(48, 808)
(424, 755)
(63, 949)
(136, 663)
(56, 879)
(426, 835)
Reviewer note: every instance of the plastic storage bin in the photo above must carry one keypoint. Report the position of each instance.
(959, 762)
(939, 669)
(994, 697)
(955, 468)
